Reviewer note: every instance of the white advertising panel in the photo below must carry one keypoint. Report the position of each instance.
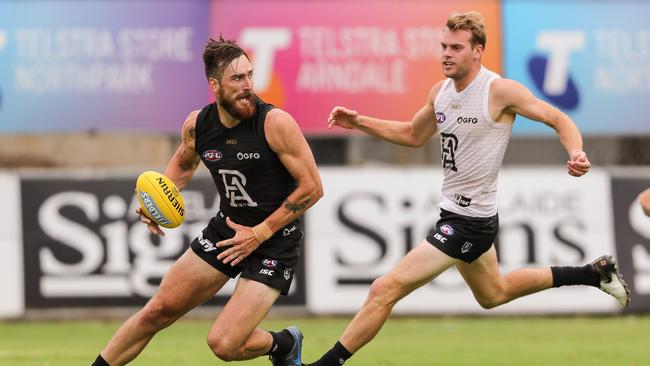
(11, 260)
(369, 218)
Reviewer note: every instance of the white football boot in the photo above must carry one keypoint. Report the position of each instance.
(611, 280)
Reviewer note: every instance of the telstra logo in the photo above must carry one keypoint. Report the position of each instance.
(551, 72)
(263, 44)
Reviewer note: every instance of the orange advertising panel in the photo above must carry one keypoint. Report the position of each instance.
(379, 58)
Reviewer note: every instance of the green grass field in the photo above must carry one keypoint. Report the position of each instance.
(502, 341)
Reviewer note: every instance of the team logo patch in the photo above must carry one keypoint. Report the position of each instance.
(448, 147)
(212, 155)
(440, 117)
(271, 263)
(288, 230)
(287, 273)
(466, 247)
(462, 201)
(447, 229)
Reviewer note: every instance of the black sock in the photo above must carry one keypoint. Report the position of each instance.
(99, 361)
(334, 357)
(282, 343)
(565, 276)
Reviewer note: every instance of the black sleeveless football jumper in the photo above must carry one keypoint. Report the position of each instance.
(251, 180)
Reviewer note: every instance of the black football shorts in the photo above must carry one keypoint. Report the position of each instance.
(269, 264)
(464, 237)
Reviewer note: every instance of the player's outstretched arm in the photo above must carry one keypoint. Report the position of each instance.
(183, 163)
(414, 133)
(644, 200)
(516, 98)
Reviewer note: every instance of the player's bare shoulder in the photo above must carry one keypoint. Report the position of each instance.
(505, 90)
(506, 96)
(281, 129)
(434, 91)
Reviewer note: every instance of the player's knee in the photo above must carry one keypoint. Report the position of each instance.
(385, 290)
(156, 315)
(222, 348)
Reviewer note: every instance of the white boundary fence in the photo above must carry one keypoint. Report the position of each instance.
(73, 240)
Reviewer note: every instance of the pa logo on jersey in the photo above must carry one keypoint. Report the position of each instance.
(551, 72)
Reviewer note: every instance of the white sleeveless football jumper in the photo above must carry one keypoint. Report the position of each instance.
(472, 147)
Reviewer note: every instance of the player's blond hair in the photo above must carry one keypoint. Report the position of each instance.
(471, 21)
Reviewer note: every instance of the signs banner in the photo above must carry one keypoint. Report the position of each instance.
(632, 230)
(84, 244)
(370, 218)
(11, 277)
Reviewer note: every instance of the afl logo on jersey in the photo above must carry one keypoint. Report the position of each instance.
(440, 117)
(212, 155)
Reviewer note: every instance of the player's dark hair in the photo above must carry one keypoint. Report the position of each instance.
(218, 54)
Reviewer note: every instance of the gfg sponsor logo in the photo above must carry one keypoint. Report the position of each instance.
(248, 156)
(551, 71)
(472, 120)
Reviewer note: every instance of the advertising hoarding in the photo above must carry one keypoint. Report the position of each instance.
(590, 59)
(369, 219)
(84, 245)
(100, 65)
(312, 55)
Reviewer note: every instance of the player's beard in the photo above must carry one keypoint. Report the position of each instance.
(240, 113)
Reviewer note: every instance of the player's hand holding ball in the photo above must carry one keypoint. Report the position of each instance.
(161, 204)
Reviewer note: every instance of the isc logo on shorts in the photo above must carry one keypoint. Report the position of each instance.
(266, 271)
(440, 238)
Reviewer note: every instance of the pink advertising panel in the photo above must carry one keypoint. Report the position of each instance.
(378, 57)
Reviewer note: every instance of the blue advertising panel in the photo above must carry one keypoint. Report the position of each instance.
(591, 59)
(101, 65)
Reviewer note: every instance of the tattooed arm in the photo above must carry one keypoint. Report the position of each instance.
(286, 140)
(185, 160)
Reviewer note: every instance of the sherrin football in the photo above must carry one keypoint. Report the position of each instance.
(159, 199)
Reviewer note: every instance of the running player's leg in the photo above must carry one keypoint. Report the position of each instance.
(491, 289)
(189, 282)
(235, 335)
(418, 267)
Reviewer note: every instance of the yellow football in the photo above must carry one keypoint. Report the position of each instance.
(159, 199)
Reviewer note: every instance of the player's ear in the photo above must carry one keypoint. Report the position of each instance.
(478, 51)
(214, 84)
